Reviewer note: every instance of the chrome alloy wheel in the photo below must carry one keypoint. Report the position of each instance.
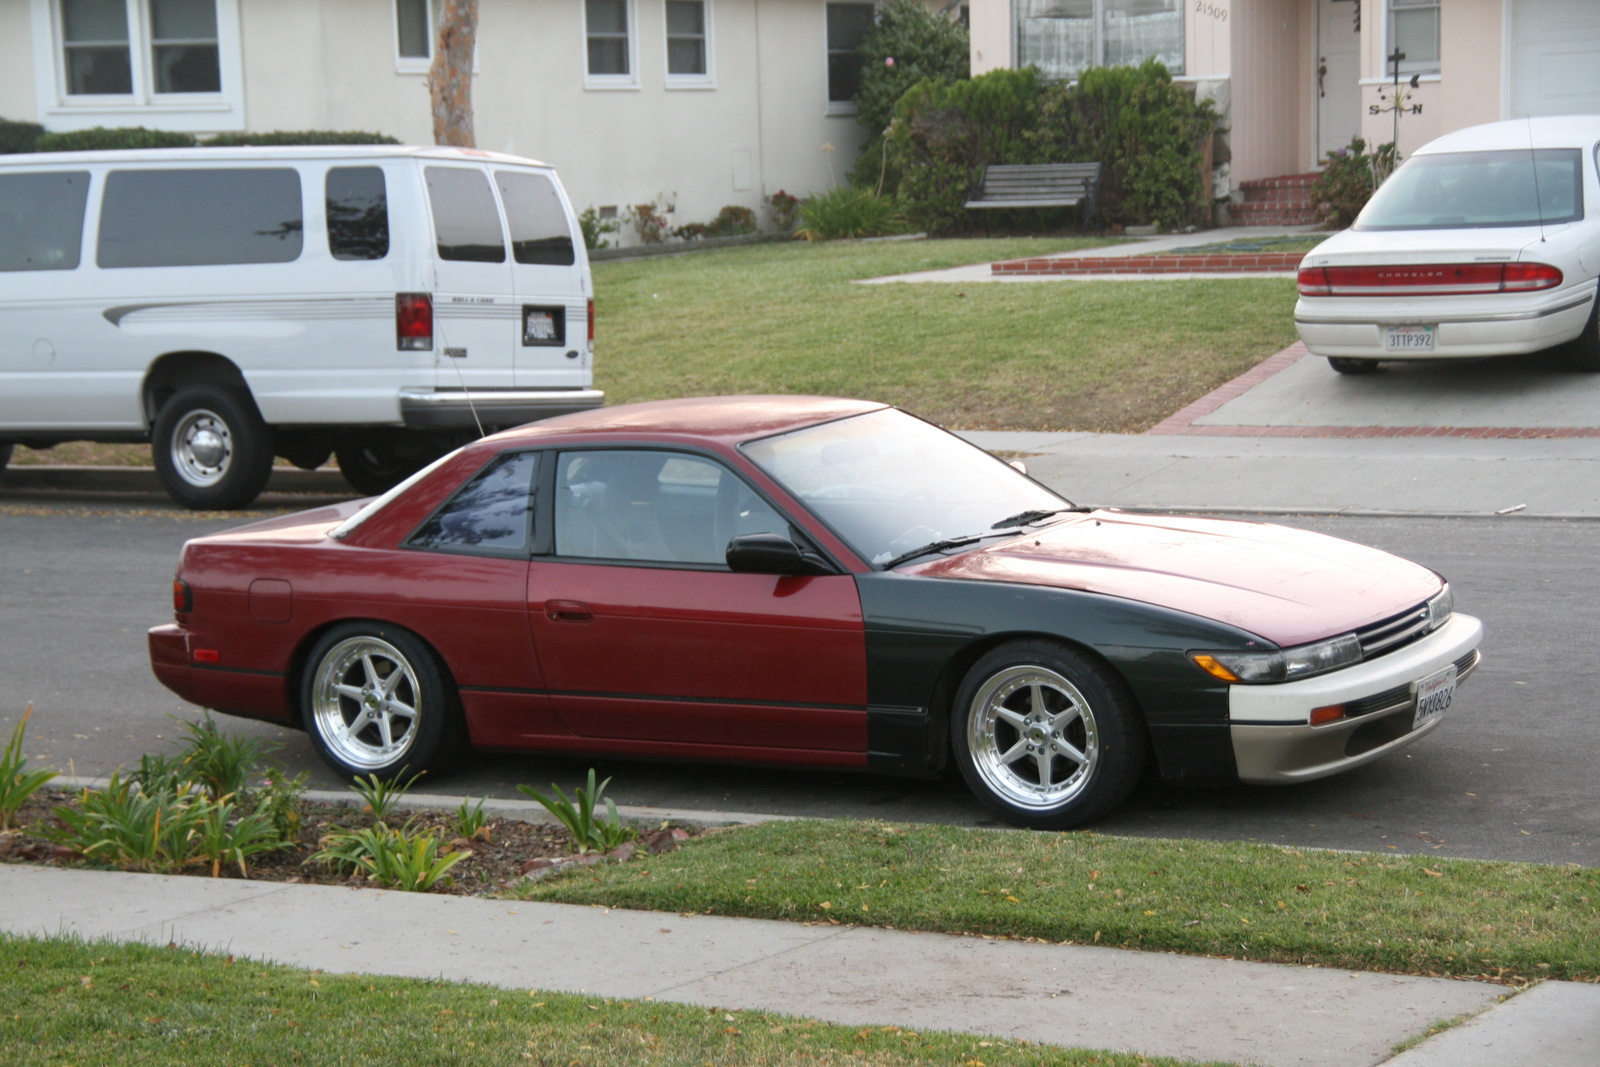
(365, 700)
(202, 447)
(1033, 737)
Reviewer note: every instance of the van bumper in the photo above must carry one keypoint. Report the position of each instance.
(461, 409)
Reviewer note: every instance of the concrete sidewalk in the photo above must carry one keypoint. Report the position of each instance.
(1181, 1006)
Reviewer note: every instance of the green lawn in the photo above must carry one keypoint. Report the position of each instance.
(68, 1002)
(1510, 922)
(1063, 355)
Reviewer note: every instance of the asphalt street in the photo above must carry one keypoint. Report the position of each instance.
(1508, 777)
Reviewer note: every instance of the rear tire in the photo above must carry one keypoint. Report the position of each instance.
(1046, 736)
(376, 464)
(5, 456)
(1583, 354)
(211, 448)
(375, 700)
(1345, 365)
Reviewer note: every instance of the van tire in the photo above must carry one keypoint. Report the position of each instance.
(375, 464)
(211, 448)
(5, 456)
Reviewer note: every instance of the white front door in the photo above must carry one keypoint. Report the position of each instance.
(1555, 61)
(1338, 75)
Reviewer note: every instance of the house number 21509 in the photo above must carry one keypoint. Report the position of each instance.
(1215, 11)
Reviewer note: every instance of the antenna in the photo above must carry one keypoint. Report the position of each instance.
(1533, 164)
(444, 344)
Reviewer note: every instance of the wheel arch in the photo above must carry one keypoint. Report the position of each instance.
(300, 658)
(174, 370)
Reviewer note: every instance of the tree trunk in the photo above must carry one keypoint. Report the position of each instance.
(450, 76)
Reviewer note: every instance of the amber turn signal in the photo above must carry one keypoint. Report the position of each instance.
(1327, 713)
(1211, 666)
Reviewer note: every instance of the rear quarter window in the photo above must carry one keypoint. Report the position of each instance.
(540, 233)
(41, 220)
(200, 217)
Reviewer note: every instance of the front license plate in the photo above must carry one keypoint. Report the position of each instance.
(1433, 695)
(1408, 338)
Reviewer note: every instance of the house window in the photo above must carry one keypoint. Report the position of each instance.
(139, 47)
(1063, 38)
(1414, 30)
(847, 25)
(413, 32)
(688, 42)
(608, 36)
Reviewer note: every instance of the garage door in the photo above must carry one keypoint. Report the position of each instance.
(1555, 57)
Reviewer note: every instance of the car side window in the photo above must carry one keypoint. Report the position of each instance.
(660, 507)
(493, 511)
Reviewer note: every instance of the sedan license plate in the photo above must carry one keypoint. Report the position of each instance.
(1408, 338)
(1434, 694)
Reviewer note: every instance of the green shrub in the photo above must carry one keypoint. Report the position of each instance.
(398, 859)
(1349, 177)
(98, 138)
(906, 44)
(848, 212)
(945, 133)
(19, 136)
(595, 228)
(732, 221)
(577, 815)
(785, 210)
(297, 137)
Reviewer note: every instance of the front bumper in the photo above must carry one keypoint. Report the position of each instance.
(1497, 325)
(1274, 743)
(462, 409)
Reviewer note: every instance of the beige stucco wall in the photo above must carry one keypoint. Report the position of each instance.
(1270, 50)
(1468, 89)
(989, 35)
(17, 98)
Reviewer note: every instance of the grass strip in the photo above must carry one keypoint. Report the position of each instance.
(1508, 922)
(1111, 356)
(75, 1002)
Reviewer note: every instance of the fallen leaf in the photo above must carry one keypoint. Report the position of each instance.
(1436, 874)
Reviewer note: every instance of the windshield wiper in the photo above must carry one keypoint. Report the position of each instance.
(1023, 518)
(934, 546)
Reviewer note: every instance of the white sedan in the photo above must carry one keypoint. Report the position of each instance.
(1486, 242)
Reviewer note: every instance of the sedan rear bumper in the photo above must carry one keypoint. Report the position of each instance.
(1275, 744)
(1498, 325)
(459, 409)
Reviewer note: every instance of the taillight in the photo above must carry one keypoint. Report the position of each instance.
(1428, 279)
(413, 322)
(591, 325)
(182, 596)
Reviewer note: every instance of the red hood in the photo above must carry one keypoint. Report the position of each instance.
(1289, 586)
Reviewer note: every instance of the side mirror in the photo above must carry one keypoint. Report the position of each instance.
(769, 553)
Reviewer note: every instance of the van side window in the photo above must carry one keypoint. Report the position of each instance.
(200, 217)
(41, 220)
(358, 213)
(539, 230)
(466, 221)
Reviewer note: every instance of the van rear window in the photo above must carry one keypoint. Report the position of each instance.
(200, 217)
(358, 213)
(539, 229)
(41, 219)
(466, 221)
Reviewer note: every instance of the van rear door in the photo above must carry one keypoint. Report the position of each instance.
(475, 317)
(548, 272)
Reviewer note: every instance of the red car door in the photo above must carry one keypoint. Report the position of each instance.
(645, 635)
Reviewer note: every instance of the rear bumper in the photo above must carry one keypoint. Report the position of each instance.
(169, 659)
(1499, 325)
(1274, 743)
(458, 409)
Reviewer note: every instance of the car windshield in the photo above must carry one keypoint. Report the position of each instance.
(887, 483)
(1469, 190)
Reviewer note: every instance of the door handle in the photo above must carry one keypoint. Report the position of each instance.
(568, 611)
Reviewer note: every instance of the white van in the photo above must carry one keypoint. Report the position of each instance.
(379, 304)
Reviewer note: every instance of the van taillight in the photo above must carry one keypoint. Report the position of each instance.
(1428, 279)
(413, 322)
(591, 325)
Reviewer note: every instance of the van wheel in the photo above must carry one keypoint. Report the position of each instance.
(211, 448)
(1345, 365)
(374, 465)
(5, 456)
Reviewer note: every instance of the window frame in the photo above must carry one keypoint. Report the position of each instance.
(1099, 59)
(186, 112)
(708, 78)
(404, 64)
(628, 81)
(1426, 68)
(831, 106)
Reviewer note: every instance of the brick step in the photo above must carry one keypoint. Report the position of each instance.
(1175, 263)
(1273, 214)
(1291, 191)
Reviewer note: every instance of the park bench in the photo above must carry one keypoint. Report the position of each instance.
(1040, 185)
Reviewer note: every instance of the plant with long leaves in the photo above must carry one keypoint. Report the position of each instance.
(222, 836)
(17, 783)
(383, 794)
(470, 821)
(577, 815)
(399, 859)
(221, 763)
(131, 829)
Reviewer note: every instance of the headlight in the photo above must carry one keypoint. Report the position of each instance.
(1255, 668)
(1440, 608)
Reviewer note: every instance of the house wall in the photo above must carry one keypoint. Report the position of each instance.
(1271, 49)
(990, 35)
(18, 101)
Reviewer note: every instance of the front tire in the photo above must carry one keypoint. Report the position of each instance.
(211, 448)
(376, 701)
(1045, 736)
(1346, 365)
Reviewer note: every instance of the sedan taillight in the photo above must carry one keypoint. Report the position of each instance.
(413, 322)
(182, 596)
(1428, 279)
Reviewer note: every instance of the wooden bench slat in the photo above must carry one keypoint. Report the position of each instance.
(1036, 185)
